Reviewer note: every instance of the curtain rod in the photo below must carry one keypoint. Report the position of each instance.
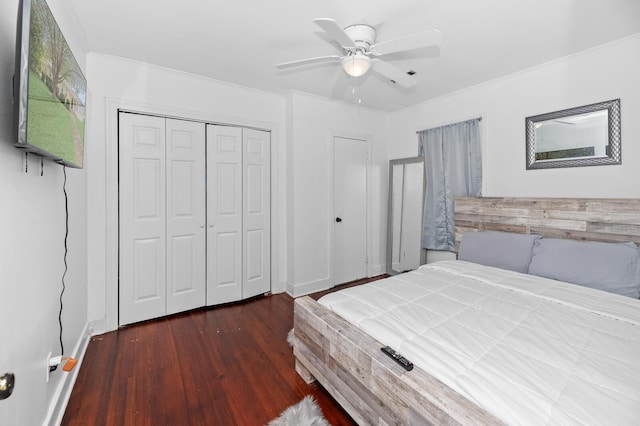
(478, 118)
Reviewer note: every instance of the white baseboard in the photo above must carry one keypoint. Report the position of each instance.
(378, 270)
(62, 394)
(297, 290)
(98, 327)
(302, 289)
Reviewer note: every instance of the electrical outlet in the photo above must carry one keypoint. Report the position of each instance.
(52, 363)
(48, 366)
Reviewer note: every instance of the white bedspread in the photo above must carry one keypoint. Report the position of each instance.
(527, 349)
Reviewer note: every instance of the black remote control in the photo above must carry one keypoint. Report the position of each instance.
(405, 363)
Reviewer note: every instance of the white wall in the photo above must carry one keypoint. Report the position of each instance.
(311, 124)
(607, 72)
(32, 230)
(119, 83)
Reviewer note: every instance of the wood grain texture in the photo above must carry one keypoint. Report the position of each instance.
(370, 386)
(230, 365)
(583, 219)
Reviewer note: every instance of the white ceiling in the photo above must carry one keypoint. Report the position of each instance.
(240, 41)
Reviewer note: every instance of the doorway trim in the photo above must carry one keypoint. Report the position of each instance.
(331, 199)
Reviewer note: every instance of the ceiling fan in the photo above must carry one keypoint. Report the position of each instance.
(361, 50)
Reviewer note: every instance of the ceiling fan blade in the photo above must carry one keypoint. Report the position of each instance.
(393, 73)
(332, 58)
(415, 41)
(333, 29)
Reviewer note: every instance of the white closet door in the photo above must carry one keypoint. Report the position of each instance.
(142, 217)
(186, 260)
(256, 213)
(224, 214)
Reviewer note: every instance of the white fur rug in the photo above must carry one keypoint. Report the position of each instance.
(304, 413)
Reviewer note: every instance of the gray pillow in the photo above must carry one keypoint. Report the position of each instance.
(612, 267)
(504, 250)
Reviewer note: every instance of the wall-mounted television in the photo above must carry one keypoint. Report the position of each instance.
(49, 89)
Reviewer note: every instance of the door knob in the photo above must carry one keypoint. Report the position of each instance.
(7, 381)
(338, 219)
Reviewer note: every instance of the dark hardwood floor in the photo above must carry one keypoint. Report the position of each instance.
(220, 366)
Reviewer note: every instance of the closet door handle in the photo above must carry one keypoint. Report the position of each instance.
(338, 219)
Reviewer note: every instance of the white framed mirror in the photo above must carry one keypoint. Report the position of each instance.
(584, 136)
(406, 203)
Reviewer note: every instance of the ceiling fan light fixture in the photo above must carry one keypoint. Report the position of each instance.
(356, 65)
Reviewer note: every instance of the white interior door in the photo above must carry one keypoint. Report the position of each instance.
(186, 260)
(350, 210)
(224, 214)
(142, 217)
(256, 225)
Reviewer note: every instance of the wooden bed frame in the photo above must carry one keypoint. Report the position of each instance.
(372, 388)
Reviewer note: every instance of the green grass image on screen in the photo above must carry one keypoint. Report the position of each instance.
(55, 108)
(49, 123)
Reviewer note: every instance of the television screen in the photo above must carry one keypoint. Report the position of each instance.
(50, 88)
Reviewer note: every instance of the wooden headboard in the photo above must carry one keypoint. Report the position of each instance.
(592, 219)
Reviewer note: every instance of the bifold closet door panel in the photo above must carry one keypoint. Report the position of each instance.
(186, 258)
(256, 192)
(142, 217)
(224, 214)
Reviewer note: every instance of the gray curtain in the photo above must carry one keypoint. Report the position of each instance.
(453, 165)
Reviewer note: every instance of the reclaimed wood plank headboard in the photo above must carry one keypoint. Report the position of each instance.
(584, 219)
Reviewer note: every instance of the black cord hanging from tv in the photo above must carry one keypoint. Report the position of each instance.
(66, 235)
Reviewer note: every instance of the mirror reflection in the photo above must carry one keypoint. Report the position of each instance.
(582, 136)
(406, 201)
